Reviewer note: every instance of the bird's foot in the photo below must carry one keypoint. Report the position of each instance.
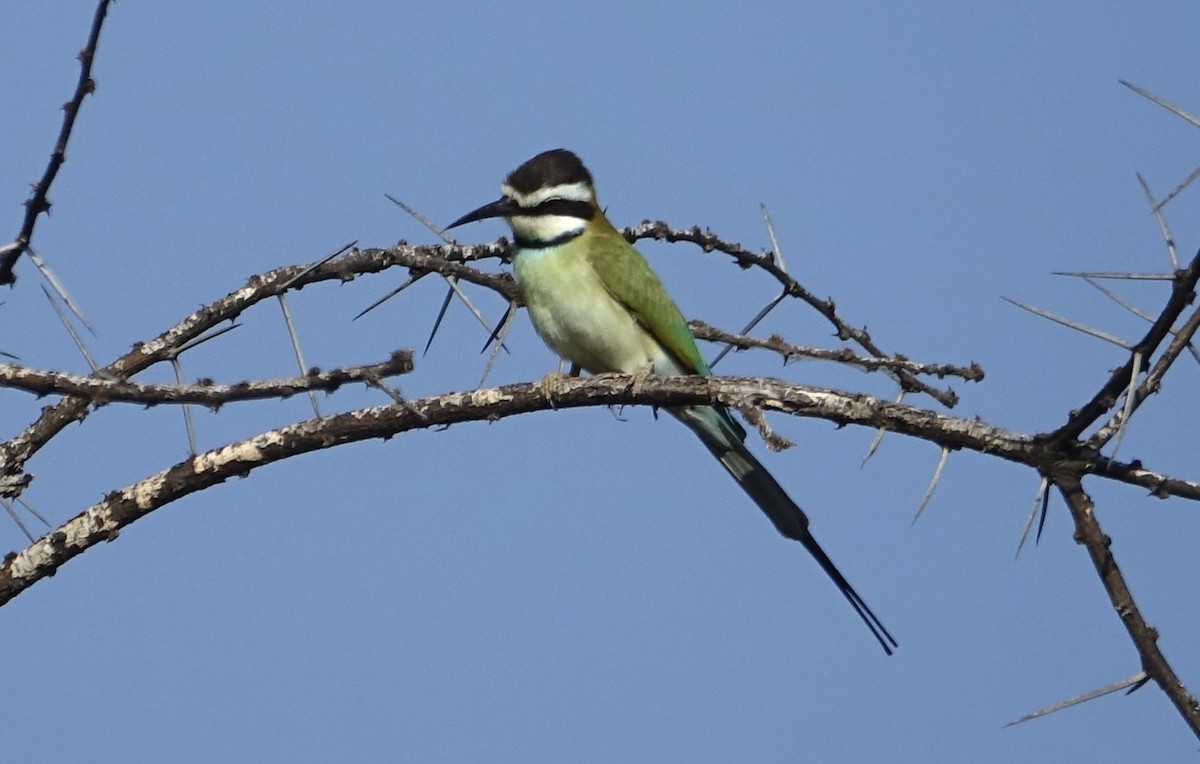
(639, 379)
(551, 385)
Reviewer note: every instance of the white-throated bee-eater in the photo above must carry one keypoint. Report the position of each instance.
(597, 303)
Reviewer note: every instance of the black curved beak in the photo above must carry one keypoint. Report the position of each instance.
(500, 208)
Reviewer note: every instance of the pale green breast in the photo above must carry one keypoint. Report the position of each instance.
(579, 319)
(596, 302)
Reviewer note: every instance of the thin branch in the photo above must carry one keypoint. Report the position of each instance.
(1121, 419)
(451, 281)
(1145, 638)
(449, 260)
(38, 203)
(790, 351)
(17, 451)
(777, 254)
(1135, 310)
(1182, 294)
(491, 404)
(1182, 339)
(708, 241)
(206, 393)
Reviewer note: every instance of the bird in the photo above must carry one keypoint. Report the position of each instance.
(597, 303)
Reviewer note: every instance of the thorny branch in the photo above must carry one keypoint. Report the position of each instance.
(790, 351)
(206, 392)
(120, 508)
(1150, 384)
(708, 241)
(1183, 293)
(38, 201)
(1145, 638)
(1062, 456)
(16, 452)
(448, 260)
(1067, 457)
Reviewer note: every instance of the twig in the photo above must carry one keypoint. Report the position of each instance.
(206, 393)
(777, 253)
(789, 351)
(38, 202)
(196, 328)
(1135, 310)
(744, 258)
(1182, 294)
(1145, 638)
(1181, 340)
(451, 281)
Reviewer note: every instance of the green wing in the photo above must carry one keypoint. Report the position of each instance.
(633, 283)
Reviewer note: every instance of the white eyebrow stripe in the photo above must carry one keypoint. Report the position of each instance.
(574, 192)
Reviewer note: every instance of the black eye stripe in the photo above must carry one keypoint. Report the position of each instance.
(567, 207)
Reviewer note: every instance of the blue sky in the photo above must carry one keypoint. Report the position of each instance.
(570, 586)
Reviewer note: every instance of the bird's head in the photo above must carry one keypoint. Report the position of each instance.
(548, 200)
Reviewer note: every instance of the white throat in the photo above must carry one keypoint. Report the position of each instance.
(535, 229)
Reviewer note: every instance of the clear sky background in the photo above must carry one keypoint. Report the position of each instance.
(568, 586)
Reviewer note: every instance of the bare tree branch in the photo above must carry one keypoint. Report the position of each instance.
(1145, 638)
(38, 202)
(708, 241)
(99, 522)
(789, 351)
(205, 392)
(1181, 341)
(1182, 295)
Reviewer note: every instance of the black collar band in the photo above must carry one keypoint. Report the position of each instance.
(523, 243)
